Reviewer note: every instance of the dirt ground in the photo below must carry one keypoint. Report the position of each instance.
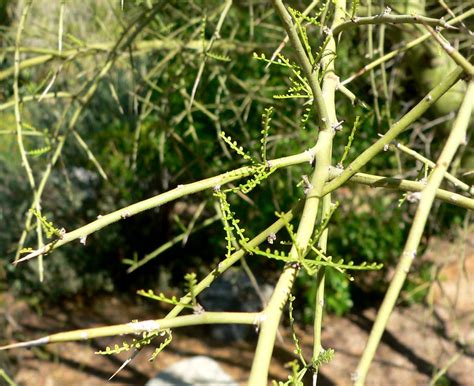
(420, 340)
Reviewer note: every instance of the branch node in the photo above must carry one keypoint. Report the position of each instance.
(355, 376)
(327, 30)
(311, 155)
(307, 185)
(413, 197)
(337, 126)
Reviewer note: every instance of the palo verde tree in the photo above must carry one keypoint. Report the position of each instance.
(314, 99)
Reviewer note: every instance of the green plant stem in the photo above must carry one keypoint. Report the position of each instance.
(455, 139)
(6, 378)
(349, 94)
(452, 52)
(135, 27)
(38, 193)
(25, 133)
(30, 98)
(60, 141)
(19, 130)
(444, 369)
(221, 179)
(175, 240)
(17, 98)
(405, 185)
(90, 154)
(272, 313)
(381, 49)
(370, 53)
(306, 12)
(454, 180)
(396, 129)
(323, 164)
(319, 300)
(173, 194)
(61, 25)
(308, 70)
(405, 47)
(231, 260)
(4, 74)
(388, 19)
(140, 48)
(215, 36)
(142, 327)
(269, 321)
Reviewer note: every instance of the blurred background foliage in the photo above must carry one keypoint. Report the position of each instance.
(140, 130)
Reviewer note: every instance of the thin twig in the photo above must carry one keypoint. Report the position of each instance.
(208, 47)
(404, 48)
(454, 180)
(387, 19)
(451, 51)
(397, 128)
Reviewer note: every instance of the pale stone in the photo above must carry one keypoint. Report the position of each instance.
(200, 370)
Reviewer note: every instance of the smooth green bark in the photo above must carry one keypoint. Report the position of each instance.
(455, 139)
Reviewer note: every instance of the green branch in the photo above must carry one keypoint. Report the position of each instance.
(19, 129)
(454, 180)
(128, 36)
(272, 313)
(304, 62)
(171, 195)
(455, 139)
(236, 256)
(396, 129)
(206, 50)
(17, 98)
(407, 186)
(145, 326)
(451, 51)
(36, 98)
(46, 55)
(134, 265)
(404, 48)
(323, 163)
(391, 19)
(185, 300)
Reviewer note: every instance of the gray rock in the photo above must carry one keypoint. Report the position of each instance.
(200, 370)
(233, 291)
